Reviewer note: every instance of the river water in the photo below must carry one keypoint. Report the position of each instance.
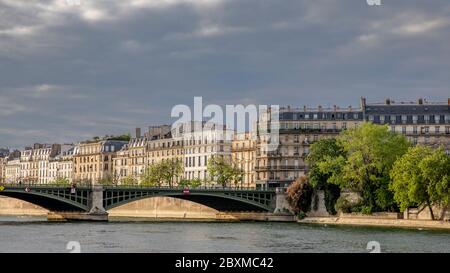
(35, 234)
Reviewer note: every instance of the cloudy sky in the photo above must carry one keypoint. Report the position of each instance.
(69, 72)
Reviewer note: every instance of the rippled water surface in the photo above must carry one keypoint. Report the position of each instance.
(34, 234)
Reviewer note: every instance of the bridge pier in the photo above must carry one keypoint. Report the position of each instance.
(281, 204)
(76, 216)
(96, 210)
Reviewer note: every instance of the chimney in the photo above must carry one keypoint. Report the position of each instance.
(304, 108)
(448, 101)
(420, 101)
(320, 108)
(388, 101)
(363, 102)
(350, 108)
(334, 108)
(138, 132)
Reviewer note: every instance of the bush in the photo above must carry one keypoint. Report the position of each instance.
(344, 205)
(299, 195)
(301, 215)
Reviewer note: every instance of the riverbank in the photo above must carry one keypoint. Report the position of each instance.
(376, 222)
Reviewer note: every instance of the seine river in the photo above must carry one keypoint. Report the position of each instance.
(34, 234)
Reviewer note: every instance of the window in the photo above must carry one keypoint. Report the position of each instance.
(403, 129)
(415, 130)
(437, 129)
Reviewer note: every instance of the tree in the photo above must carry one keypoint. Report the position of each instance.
(129, 181)
(107, 179)
(407, 182)
(152, 176)
(370, 152)
(319, 178)
(222, 171)
(62, 181)
(193, 183)
(171, 169)
(435, 169)
(299, 195)
(421, 176)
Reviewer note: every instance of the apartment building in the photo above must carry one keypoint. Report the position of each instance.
(12, 167)
(61, 166)
(243, 154)
(298, 129)
(93, 160)
(142, 150)
(201, 141)
(4, 153)
(423, 122)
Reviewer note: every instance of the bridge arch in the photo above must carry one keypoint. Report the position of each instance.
(45, 200)
(219, 202)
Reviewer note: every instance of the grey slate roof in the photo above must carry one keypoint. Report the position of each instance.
(415, 109)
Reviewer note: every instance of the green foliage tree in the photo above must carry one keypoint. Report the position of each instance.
(62, 181)
(222, 171)
(108, 179)
(193, 183)
(125, 137)
(421, 177)
(436, 169)
(170, 170)
(370, 152)
(152, 176)
(320, 152)
(129, 181)
(299, 195)
(165, 171)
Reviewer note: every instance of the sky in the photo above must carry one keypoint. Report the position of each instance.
(69, 72)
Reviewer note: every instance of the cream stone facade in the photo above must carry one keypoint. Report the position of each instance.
(243, 154)
(12, 170)
(93, 161)
(202, 141)
(298, 129)
(61, 166)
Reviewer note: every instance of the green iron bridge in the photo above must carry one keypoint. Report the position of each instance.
(100, 199)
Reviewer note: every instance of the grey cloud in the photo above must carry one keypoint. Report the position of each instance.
(68, 72)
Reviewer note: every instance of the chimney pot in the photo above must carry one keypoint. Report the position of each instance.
(363, 102)
(420, 101)
(138, 132)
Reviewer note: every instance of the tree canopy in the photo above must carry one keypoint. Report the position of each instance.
(421, 176)
(369, 152)
(223, 171)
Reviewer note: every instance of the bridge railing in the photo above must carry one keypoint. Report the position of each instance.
(44, 185)
(206, 188)
(115, 186)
